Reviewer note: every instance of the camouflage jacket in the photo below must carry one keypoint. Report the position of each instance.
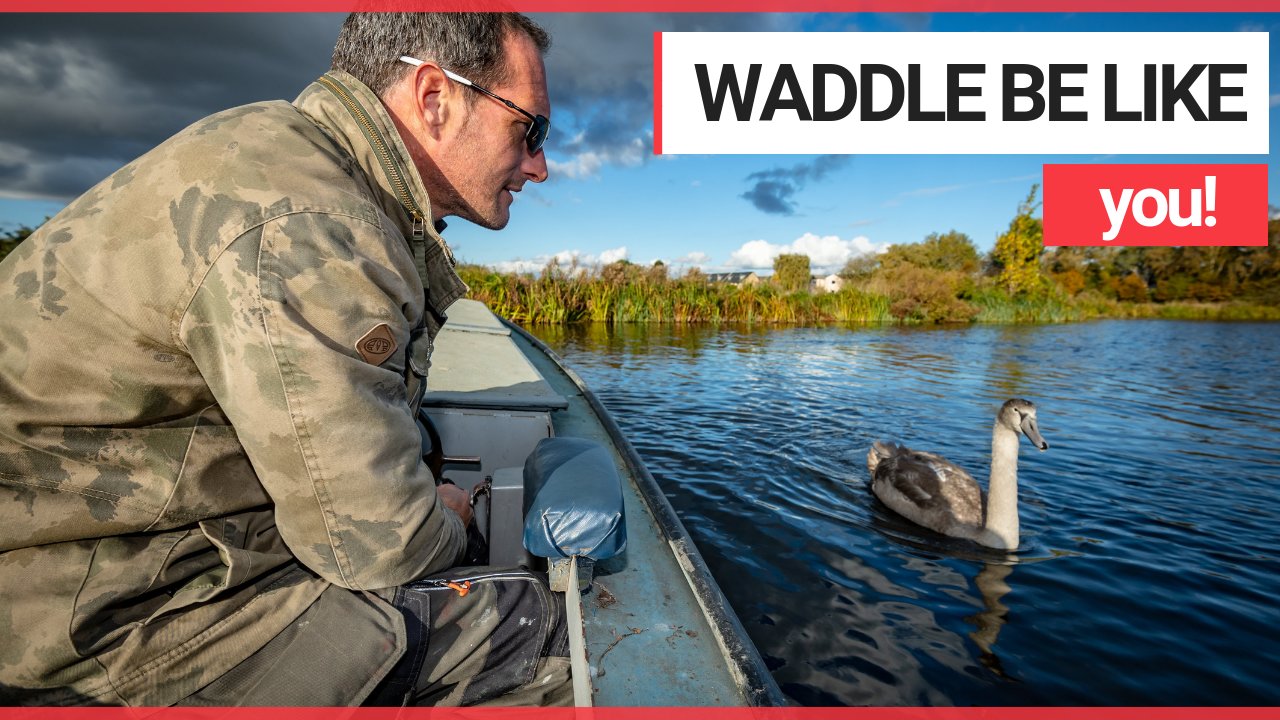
(207, 364)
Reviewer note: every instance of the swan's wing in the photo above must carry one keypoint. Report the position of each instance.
(911, 475)
(961, 491)
(932, 483)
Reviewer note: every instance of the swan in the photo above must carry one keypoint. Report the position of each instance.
(934, 492)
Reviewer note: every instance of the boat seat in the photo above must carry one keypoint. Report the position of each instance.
(573, 501)
(573, 517)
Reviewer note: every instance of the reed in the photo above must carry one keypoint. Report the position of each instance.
(558, 296)
(1203, 311)
(997, 306)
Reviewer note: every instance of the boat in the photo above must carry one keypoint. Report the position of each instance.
(654, 628)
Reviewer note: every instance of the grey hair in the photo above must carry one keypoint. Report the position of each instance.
(369, 45)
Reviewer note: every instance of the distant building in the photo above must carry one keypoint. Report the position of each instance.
(830, 283)
(737, 279)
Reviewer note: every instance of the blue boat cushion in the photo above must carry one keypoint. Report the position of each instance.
(573, 500)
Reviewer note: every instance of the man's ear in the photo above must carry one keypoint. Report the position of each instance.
(435, 98)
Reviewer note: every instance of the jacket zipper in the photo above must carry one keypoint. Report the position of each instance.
(462, 583)
(438, 583)
(380, 148)
(443, 582)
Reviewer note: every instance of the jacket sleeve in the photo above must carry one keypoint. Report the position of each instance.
(273, 329)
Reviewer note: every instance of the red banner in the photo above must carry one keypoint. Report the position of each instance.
(1149, 205)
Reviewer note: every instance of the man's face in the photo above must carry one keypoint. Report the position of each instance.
(487, 160)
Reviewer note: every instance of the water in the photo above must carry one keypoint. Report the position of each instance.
(1150, 562)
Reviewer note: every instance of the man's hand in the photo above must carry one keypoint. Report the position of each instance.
(457, 500)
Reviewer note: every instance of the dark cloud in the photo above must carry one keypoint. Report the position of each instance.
(772, 190)
(772, 196)
(80, 95)
(600, 72)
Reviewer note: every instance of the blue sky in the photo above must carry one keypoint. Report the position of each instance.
(609, 197)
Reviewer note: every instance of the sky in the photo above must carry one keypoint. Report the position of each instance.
(81, 95)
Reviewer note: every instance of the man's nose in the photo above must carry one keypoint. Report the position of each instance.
(534, 167)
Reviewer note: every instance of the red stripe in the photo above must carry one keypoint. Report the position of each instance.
(657, 93)
(1046, 6)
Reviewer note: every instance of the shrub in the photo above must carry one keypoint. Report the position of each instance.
(918, 294)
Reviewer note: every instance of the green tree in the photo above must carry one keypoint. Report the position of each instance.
(10, 239)
(1017, 252)
(947, 251)
(791, 272)
(860, 268)
(1264, 277)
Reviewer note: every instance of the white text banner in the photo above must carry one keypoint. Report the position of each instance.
(963, 93)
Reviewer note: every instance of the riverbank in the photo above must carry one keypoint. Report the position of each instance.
(560, 298)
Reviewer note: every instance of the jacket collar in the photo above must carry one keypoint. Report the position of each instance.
(353, 116)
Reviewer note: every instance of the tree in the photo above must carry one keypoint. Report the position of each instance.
(1132, 288)
(1017, 251)
(791, 272)
(10, 239)
(1071, 281)
(947, 251)
(861, 267)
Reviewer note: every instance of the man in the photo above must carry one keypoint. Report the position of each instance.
(211, 484)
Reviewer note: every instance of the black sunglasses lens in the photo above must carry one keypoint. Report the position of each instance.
(537, 134)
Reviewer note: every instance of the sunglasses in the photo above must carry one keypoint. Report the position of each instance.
(539, 125)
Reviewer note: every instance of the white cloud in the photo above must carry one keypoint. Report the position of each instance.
(826, 253)
(587, 163)
(693, 258)
(580, 166)
(519, 266)
(614, 255)
(565, 259)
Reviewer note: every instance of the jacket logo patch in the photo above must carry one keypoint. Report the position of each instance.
(377, 344)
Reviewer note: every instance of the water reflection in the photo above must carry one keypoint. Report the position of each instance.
(992, 583)
(1157, 506)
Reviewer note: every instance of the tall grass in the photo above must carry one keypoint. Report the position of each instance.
(586, 297)
(1202, 311)
(560, 297)
(996, 306)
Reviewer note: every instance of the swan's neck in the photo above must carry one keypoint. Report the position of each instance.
(1001, 527)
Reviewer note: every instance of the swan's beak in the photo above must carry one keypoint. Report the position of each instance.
(1033, 433)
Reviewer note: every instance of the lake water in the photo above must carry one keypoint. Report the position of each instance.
(1149, 572)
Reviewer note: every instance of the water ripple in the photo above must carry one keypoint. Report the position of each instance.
(1148, 569)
